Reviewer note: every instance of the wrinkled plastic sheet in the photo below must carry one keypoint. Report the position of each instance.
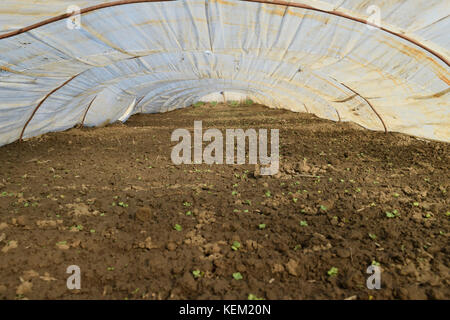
(157, 57)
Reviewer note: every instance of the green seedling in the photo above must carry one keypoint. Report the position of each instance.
(198, 104)
(333, 272)
(268, 194)
(236, 245)
(237, 276)
(197, 273)
(372, 236)
(303, 223)
(262, 226)
(177, 227)
(392, 214)
(251, 296)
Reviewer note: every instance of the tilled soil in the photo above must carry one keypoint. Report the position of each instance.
(110, 201)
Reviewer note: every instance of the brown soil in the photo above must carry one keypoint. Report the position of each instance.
(57, 193)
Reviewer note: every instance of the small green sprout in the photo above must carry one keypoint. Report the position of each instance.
(303, 223)
(237, 276)
(177, 227)
(236, 245)
(333, 272)
(372, 236)
(392, 214)
(197, 273)
(262, 226)
(251, 296)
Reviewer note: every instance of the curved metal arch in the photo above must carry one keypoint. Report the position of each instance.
(42, 102)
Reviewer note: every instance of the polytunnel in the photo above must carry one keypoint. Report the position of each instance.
(383, 65)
